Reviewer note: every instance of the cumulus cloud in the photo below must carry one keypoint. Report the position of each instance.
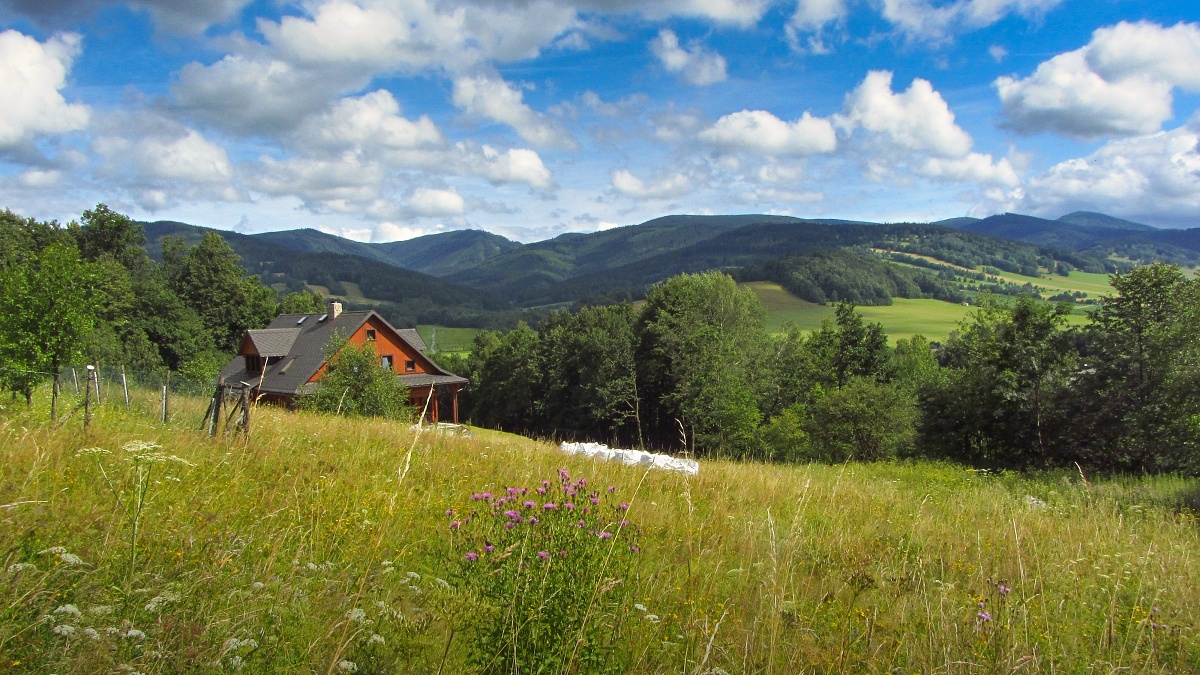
(804, 29)
(760, 131)
(369, 121)
(515, 165)
(667, 187)
(974, 168)
(490, 98)
(32, 74)
(697, 65)
(1119, 84)
(346, 184)
(922, 19)
(917, 119)
(1142, 176)
(191, 16)
(161, 162)
(433, 202)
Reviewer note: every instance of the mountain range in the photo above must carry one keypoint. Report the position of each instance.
(472, 277)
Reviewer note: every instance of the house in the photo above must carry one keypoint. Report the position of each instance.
(286, 360)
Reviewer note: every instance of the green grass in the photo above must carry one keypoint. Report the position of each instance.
(449, 339)
(290, 550)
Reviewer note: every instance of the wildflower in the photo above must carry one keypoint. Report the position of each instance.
(487, 496)
(512, 514)
(587, 509)
(449, 512)
(545, 483)
(472, 556)
(442, 582)
(568, 505)
(356, 615)
(17, 568)
(533, 521)
(514, 491)
(530, 504)
(312, 567)
(100, 610)
(605, 535)
(549, 505)
(623, 507)
(413, 575)
(91, 633)
(639, 607)
(70, 559)
(454, 524)
(541, 491)
(1003, 590)
(543, 555)
(347, 666)
(563, 473)
(508, 525)
(64, 630)
(135, 634)
(635, 549)
(53, 550)
(594, 499)
(236, 662)
(376, 639)
(624, 523)
(581, 524)
(562, 554)
(489, 548)
(256, 586)
(652, 618)
(158, 602)
(68, 609)
(984, 616)
(612, 489)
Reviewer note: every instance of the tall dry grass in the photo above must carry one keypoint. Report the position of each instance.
(300, 549)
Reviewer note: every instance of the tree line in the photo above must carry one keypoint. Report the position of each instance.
(695, 369)
(87, 291)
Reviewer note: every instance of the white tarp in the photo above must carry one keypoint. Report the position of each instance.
(632, 457)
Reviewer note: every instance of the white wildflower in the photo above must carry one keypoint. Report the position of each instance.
(91, 633)
(443, 583)
(64, 630)
(640, 607)
(68, 609)
(312, 567)
(100, 610)
(1034, 502)
(356, 615)
(386, 563)
(135, 634)
(376, 639)
(652, 618)
(17, 568)
(347, 666)
(256, 586)
(53, 550)
(236, 663)
(70, 559)
(158, 602)
(413, 575)
(94, 452)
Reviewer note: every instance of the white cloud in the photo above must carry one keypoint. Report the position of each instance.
(974, 168)
(388, 231)
(370, 121)
(918, 119)
(697, 65)
(494, 99)
(1156, 176)
(1119, 84)
(39, 178)
(760, 131)
(31, 75)
(998, 53)
(516, 165)
(432, 202)
(809, 20)
(921, 19)
(346, 184)
(668, 187)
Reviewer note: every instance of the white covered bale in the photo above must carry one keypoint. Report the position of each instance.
(633, 457)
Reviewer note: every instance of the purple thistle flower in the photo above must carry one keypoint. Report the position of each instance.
(530, 505)
(581, 524)
(568, 505)
(454, 524)
(634, 549)
(489, 548)
(624, 523)
(563, 473)
(562, 553)
(545, 483)
(1003, 590)
(472, 557)
(571, 492)
(587, 509)
(514, 491)
(449, 512)
(605, 535)
(543, 555)
(549, 505)
(512, 514)
(541, 491)
(533, 521)
(594, 499)
(508, 525)
(624, 507)
(612, 489)
(502, 500)
(486, 495)
(984, 617)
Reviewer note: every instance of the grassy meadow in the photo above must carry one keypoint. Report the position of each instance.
(322, 544)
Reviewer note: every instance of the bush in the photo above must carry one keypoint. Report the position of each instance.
(357, 384)
(864, 420)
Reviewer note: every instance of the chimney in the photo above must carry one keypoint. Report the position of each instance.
(335, 308)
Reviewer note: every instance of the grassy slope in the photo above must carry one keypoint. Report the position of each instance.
(449, 339)
(856, 568)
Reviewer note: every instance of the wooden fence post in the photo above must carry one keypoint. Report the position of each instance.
(166, 402)
(75, 380)
(54, 399)
(246, 411)
(96, 376)
(87, 399)
(125, 387)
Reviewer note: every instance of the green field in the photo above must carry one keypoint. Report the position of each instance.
(448, 339)
(902, 319)
(321, 544)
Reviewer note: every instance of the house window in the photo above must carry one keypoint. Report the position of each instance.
(410, 366)
(370, 333)
(386, 361)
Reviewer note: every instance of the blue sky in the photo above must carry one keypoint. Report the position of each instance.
(387, 119)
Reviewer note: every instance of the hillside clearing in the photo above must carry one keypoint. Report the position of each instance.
(294, 550)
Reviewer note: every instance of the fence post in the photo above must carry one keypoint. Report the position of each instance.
(246, 411)
(54, 398)
(125, 387)
(96, 375)
(166, 411)
(87, 399)
(75, 380)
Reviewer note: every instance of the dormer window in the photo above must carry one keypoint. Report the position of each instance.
(410, 366)
(386, 361)
(370, 333)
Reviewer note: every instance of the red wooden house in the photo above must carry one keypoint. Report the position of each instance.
(286, 359)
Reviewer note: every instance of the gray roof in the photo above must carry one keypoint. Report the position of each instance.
(273, 341)
(426, 379)
(306, 353)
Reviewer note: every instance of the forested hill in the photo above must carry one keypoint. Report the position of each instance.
(622, 262)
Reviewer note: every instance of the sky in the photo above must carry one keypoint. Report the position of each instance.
(382, 120)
